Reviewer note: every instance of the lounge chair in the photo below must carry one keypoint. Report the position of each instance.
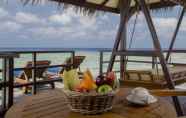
(76, 65)
(26, 75)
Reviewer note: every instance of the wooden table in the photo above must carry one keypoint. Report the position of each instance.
(51, 104)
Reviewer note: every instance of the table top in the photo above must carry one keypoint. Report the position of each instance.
(52, 104)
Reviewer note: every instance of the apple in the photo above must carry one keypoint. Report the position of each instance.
(110, 78)
(104, 89)
(109, 81)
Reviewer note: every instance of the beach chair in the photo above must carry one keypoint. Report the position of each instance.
(76, 62)
(26, 75)
(76, 65)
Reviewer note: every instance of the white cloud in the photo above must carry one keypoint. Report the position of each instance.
(71, 18)
(10, 26)
(3, 13)
(26, 18)
(64, 18)
(87, 22)
(61, 18)
(165, 22)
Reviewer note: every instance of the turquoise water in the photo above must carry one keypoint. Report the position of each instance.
(91, 61)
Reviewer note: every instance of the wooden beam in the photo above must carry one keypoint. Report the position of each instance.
(136, 53)
(123, 38)
(158, 48)
(83, 3)
(166, 93)
(175, 34)
(102, 7)
(104, 2)
(124, 18)
(8, 55)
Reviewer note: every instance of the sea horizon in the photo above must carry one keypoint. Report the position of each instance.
(50, 49)
(24, 49)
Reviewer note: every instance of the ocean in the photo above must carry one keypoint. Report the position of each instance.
(91, 61)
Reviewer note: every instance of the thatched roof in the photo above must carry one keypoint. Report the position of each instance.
(113, 5)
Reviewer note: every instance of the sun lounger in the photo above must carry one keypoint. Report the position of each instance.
(76, 65)
(26, 75)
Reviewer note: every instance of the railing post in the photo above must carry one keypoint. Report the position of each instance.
(101, 62)
(34, 59)
(4, 100)
(10, 75)
(8, 79)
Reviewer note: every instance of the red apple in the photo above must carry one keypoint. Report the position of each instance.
(110, 78)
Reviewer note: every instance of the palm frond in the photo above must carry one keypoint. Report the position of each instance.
(84, 10)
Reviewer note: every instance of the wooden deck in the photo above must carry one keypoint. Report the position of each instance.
(182, 100)
(51, 104)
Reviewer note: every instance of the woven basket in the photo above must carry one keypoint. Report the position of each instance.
(90, 103)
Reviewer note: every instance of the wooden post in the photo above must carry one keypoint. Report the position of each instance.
(4, 100)
(8, 80)
(34, 59)
(160, 54)
(175, 34)
(10, 76)
(124, 11)
(123, 43)
(101, 62)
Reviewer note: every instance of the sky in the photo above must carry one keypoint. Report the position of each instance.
(48, 26)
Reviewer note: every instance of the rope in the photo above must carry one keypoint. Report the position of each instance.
(169, 58)
(132, 33)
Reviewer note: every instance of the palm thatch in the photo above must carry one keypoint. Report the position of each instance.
(92, 6)
(64, 5)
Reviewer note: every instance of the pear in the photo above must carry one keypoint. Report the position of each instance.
(71, 79)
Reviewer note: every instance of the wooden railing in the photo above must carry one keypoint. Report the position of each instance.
(8, 65)
(7, 84)
(142, 53)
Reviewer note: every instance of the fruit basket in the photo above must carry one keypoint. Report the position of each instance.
(90, 103)
(89, 95)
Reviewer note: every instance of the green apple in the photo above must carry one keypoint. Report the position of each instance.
(104, 89)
